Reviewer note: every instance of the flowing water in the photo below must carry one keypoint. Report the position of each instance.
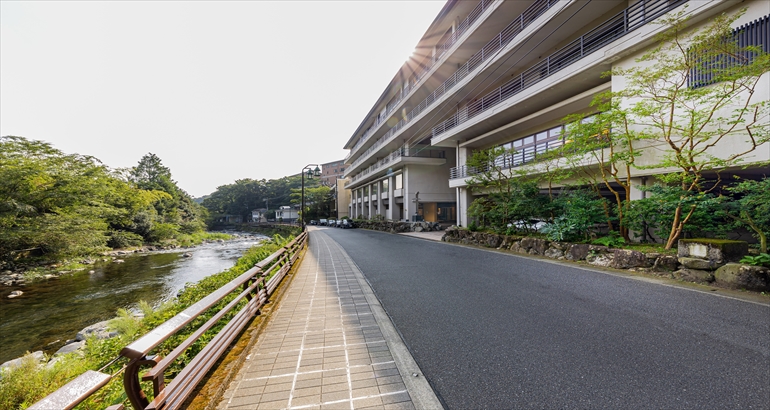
(50, 312)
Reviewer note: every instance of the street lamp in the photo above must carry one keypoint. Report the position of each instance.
(310, 174)
(267, 208)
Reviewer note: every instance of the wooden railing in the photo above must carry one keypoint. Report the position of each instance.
(250, 286)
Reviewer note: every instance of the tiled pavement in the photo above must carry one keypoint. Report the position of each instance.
(329, 345)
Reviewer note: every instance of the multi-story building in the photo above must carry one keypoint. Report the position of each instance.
(331, 171)
(495, 73)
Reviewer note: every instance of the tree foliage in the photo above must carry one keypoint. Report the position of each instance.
(700, 125)
(62, 205)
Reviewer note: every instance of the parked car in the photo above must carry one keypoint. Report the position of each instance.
(339, 223)
(531, 225)
(322, 222)
(347, 223)
(313, 222)
(332, 222)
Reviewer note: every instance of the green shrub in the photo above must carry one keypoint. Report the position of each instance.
(613, 240)
(163, 231)
(124, 239)
(763, 259)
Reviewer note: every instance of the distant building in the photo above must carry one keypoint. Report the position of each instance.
(286, 214)
(331, 171)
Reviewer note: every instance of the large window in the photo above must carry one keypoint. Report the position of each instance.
(712, 68)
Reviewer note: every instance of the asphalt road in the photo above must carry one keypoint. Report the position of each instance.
(493, 330)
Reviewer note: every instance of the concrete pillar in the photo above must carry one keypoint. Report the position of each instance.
(464, 199)
(380, 206)
(370, 214)
(408, 196)
(391, 198)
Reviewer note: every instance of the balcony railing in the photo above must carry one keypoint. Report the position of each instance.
(441, 50)
(616, 27)
(415, 152)
(488, 51)
(511, 159)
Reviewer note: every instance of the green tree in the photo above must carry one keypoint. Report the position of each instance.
(602, 150)
(751, 209)
(696, 122)
(509, 198)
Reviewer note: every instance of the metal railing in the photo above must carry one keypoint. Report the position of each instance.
(414, 152)
(509, 160)
(616, 27)
(487, 52)
(251, 287)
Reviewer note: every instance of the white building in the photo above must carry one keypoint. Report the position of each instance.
(286, 214)
(503, 73)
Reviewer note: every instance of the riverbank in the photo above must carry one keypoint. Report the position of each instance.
(31, 380)
(21, 274)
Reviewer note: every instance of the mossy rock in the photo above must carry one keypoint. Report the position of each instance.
(717, 251)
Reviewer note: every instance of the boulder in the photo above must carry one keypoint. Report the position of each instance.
(70, 348)
(554, 253)
(576, 252)
(624, 259)
(99, 330)
(604, 260)
(665, 263)
(695, 275)
(697, 263)
(534, 246)
(738, 276)
(37, 356)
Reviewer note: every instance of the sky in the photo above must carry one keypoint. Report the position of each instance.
(220, 91)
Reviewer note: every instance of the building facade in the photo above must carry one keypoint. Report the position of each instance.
(286, 213)
(495, 73)
(331, 171)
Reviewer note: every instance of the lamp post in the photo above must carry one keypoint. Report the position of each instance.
(267, 208)
(310, 174)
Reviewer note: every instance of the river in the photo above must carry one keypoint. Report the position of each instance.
(50, 312)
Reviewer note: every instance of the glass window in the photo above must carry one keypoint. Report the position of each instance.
(542, 136)
(385, 185)
(399, 181)
(529, 140)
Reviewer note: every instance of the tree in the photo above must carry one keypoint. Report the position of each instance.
(752, 208)
(667, 100)
(602, 149)
(508, 199)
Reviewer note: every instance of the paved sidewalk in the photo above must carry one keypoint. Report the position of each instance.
(430, 235)
(329, 345)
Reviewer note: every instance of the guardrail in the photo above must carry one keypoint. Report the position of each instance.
(252, 286)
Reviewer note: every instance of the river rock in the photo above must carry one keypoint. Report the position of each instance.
(15, 294)
(38, 356)
(99, 330)
(187, 255)
(69, 348)
(119, 261)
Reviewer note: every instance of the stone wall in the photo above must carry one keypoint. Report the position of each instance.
(723, 274)
(397, 227)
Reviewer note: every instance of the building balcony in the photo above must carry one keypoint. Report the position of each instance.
(402, 156)
(489, 51)
(506, 95)
(443, 49)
